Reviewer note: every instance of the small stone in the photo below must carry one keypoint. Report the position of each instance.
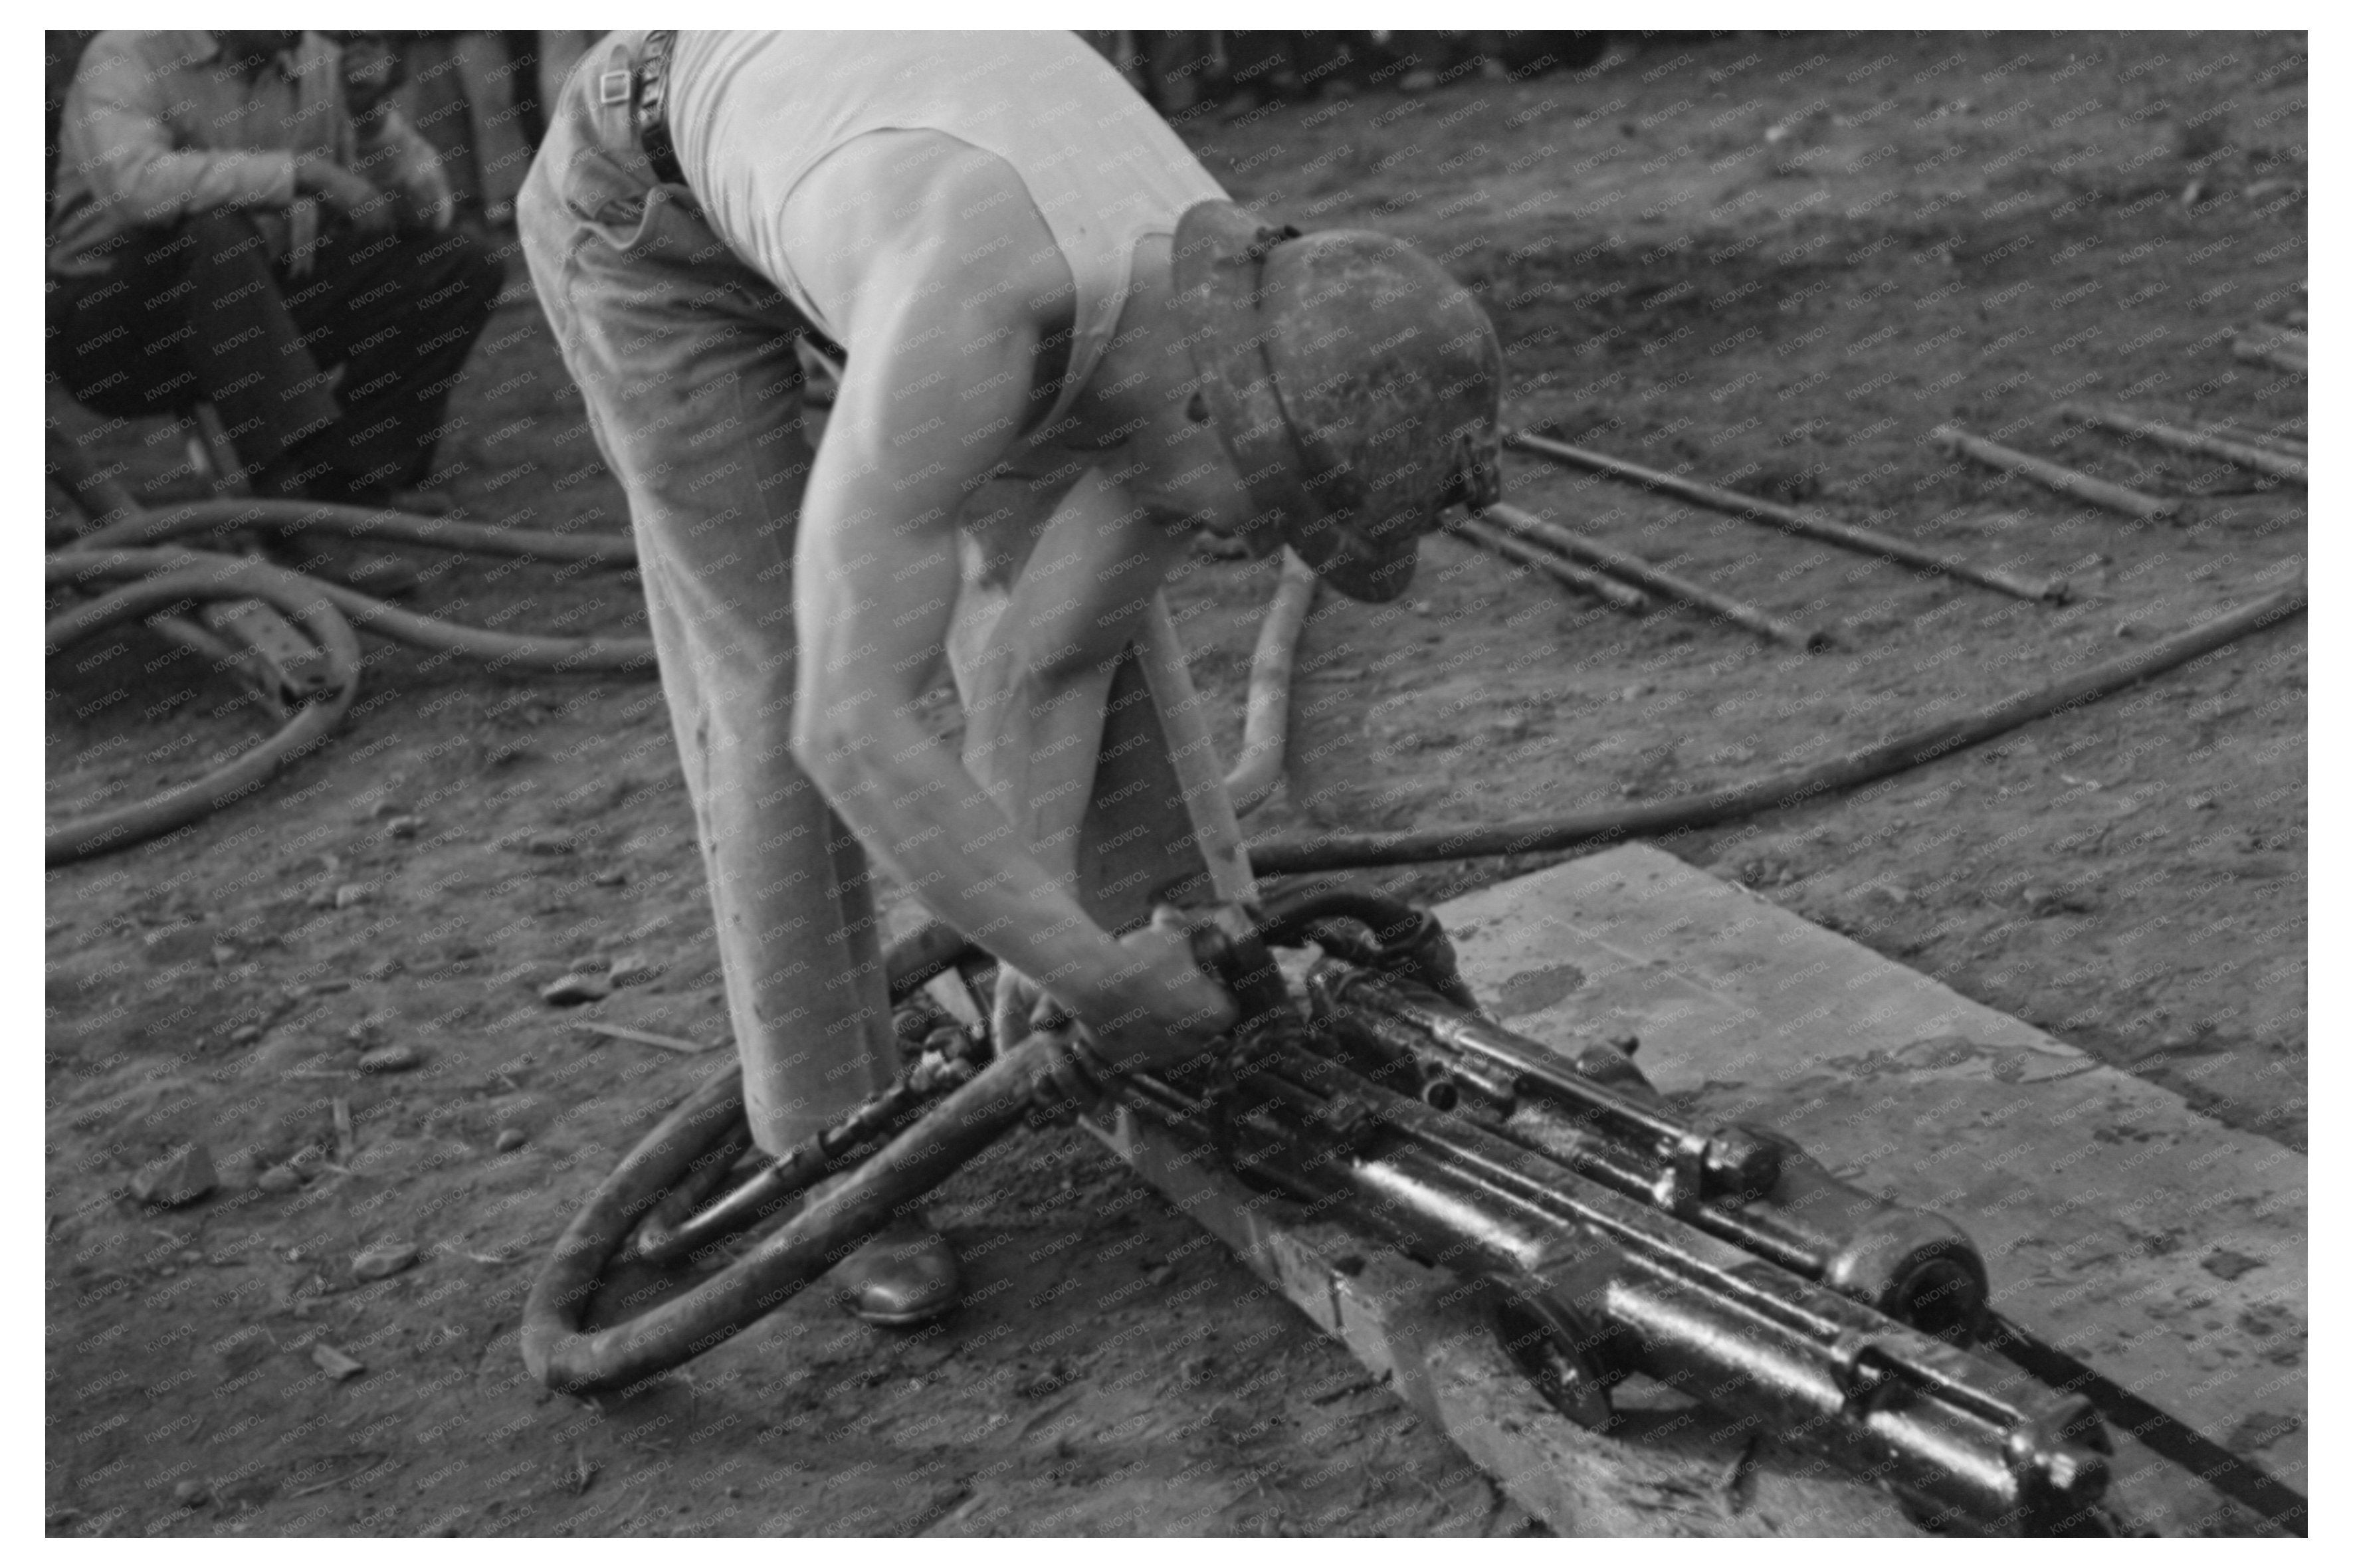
(394, 1057)
(189, 1494)
(388, 809)
(1633, 693)
(549, 844)
(334, 1362)
(280, 1179)
(180, 1178)
(571, 990)
(403, 827)
(587, 963)
(635, 968)
(510, 1139)
(349, 894)
(245, 1035)
(223, 954)
(324, 898)
(2225, 1264)
(2127, 629)
(383, 969)
(383, 1261)
(610, 878)
(2203, 803)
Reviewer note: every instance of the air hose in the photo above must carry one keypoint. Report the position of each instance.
(225, 516)
(1552, 835)
(186, 578)
(1267, 716)
(169, 577)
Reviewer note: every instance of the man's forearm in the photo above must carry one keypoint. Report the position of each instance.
(1033, 743)
(918, 811)
(117, 139)
(166, 186)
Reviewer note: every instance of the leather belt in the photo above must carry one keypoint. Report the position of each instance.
(645, 88)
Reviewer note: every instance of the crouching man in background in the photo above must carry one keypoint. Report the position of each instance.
(236, 216)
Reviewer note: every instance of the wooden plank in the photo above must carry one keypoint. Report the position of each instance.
(2099, 1201)
(2163, 1249)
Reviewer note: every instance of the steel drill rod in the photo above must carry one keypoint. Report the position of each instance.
(2204, 444)
(2065, 480)
(1634, 569)
(2277, 352)
(1867, 540)
(2270, 441)
(1608, 590)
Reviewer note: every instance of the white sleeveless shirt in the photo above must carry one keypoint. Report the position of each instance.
(751, 114)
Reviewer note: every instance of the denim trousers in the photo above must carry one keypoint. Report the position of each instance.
(686, 359)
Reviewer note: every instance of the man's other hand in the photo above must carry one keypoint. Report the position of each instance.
(70, 253)
(367, 210)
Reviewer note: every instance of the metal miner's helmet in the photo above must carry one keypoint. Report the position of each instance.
(1357, 387)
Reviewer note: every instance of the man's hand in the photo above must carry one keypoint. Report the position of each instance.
(1163, 1010)
(71, 243)
(367, 210)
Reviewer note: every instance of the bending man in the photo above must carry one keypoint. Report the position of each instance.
(1067, 353)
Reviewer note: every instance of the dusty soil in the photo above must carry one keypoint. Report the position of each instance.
(1775, 262)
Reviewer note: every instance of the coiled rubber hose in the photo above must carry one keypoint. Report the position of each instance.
(565, 1355)
(225, 517)
(499, 651)
(171, 576)
(186, 578)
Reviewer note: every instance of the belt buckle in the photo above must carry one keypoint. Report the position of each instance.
(613, 88)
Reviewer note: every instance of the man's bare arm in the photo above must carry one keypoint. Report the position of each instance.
(1034, 705)
(876, 581)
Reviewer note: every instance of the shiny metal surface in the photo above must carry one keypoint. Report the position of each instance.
(1620, 1240)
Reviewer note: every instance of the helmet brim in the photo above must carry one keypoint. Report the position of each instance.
(1323, 363)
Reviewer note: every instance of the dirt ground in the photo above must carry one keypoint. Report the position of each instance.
(1777, 261)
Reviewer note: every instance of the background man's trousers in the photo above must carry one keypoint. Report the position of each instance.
(206, 311)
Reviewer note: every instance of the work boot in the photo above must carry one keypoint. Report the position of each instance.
(905, 1277)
